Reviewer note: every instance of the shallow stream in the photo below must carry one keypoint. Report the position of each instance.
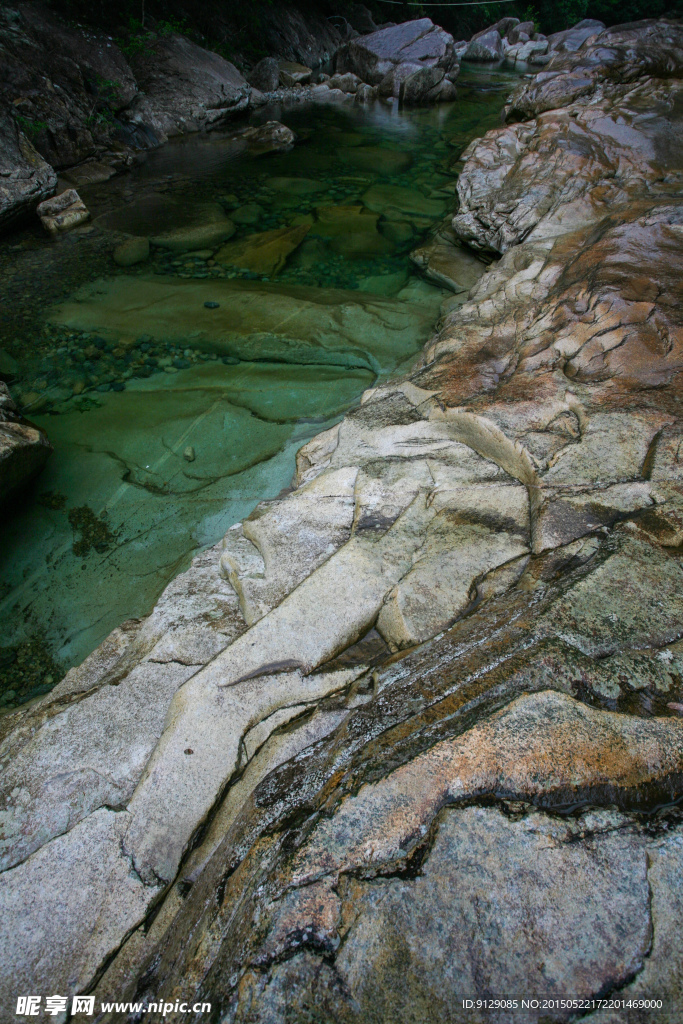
(176, 391)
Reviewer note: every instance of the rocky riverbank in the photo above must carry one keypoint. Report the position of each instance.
(412, 732)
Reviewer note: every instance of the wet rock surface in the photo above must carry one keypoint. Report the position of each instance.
(25, 177)
(363, 755)
(184, 87)
(414, 61)
(372, 56)
(24, 448)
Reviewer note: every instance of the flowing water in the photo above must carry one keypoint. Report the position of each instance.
(176, 391)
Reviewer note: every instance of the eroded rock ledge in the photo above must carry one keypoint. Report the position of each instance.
(324, 778)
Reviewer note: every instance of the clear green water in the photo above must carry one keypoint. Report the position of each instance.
(171, 421)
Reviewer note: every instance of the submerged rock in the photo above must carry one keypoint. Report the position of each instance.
(447, 264)
(398, 203)
(213, 231)
(351, 230)
(253, 320)
(378, 159)
(265, 252)
(269, 136)
(178, 225)
(135, 250)
(90, 173)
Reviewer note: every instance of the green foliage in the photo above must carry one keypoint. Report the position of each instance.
(613, 12)
(137, 42)
(531, 14)
(100, 119)
(555, 15)
(107, 90)
(29, 127)
(172, 26)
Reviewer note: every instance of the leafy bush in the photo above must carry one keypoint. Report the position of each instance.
(29, 127)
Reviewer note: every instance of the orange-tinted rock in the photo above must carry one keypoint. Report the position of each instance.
(265, 252)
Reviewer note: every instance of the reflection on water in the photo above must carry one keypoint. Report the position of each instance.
(176, 391)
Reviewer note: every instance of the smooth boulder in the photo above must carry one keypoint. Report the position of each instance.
(131, 252)
(347, 82)
(522, 28)
(265, 76)
(486, 47)
(525, 53)
(205, 226)
(268, 137)
(426, 86)
(292, 74)
(447, 264)
(371, 57)
(394, 78)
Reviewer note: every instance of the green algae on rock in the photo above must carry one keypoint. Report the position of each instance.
(243, 421)
(256, 320)
(265, 252)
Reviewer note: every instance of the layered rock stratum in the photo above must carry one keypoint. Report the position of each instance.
(412, 733)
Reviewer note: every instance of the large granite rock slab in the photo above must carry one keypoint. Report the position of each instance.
(447, 693)
(574, 38)
(486, 47)
(254, 320)
(518, 176)
(372, 57)
(428, 85)
(184, 88)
